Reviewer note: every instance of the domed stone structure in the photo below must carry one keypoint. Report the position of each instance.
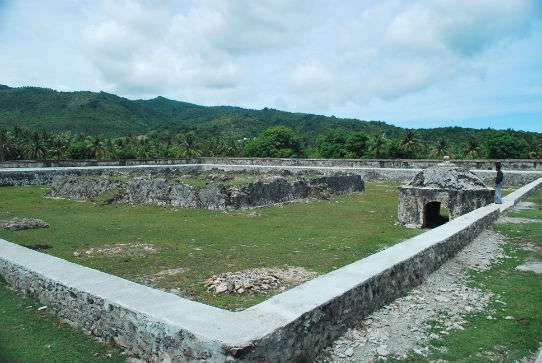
(457, 189)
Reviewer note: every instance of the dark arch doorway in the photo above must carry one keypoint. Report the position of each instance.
(434, 215)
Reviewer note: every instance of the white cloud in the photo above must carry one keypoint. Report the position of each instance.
(362, 59)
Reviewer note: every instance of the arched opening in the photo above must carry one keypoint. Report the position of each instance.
(434, 215)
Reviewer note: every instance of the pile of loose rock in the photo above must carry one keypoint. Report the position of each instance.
(17, 224)
(119, 249)
(257, 280)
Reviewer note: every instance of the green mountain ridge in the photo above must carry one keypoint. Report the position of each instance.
(101, 113)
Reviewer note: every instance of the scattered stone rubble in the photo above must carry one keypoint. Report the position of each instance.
(257, 280)
(18, 224)
(119, 249)
(404, 326)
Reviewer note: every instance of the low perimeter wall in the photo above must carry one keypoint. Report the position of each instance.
(482, 164)
(292, 326)
(42, 176)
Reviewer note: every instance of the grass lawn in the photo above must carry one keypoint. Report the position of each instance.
(31, 336)
(503, 340)
(319, 236)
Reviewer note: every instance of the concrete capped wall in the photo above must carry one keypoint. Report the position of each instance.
(293, 325)
(483, 164)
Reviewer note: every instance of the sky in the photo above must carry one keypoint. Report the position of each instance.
(412, 63)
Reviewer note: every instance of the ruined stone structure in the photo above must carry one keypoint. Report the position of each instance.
(293, 326)
(213, 191)
(457, 189)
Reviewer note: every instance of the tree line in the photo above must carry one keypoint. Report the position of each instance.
(21, 143)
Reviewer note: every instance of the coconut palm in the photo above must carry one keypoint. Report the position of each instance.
(472, 150)
(378, 142)
(37, 148)
(440, 148)
(5, 144)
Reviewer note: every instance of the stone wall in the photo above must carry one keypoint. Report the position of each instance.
(43, 176)
(165, 189)
(292, 326)
(508, 164)
(412, 202)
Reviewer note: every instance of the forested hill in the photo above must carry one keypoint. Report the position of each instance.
(110, 115)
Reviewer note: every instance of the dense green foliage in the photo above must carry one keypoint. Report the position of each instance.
(39, 123)
(503, 145)
(275, 142)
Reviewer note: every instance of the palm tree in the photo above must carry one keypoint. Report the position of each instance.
(190, 145)
(5, 144)
(377, 145)
(409, 143)
(440, 148)
(60, 144)
(472, 151)
(110, 149)
(96, 147)
(144, 149)
(37, 146)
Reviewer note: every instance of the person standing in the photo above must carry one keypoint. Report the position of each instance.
(498, 183)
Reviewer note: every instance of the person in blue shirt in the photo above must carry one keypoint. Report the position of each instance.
(498, 183)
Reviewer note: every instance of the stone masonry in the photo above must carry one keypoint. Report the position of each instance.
(457, 189)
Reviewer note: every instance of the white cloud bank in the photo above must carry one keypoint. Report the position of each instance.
(366, 59)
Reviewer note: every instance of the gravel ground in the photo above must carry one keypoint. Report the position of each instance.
(403, 326)
(18, 224)
(119, 249)
(525, 206)
(517, 220)
(534, 266)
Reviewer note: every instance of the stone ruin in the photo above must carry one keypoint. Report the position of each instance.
(457, 189)
(213, 190)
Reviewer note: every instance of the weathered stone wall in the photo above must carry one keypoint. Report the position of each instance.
(215, 195)
(44, 176)
(508, 164)
(413, 201)
(318, 327)
(458, 189)
(292, 326)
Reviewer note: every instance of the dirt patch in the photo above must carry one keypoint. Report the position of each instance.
(18, 224)
(257, 280)
(160, 275)
(533, 266)
(525, 206)
(119, 249)
(530, 246)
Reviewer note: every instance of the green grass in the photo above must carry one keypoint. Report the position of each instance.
(29, 336)
(319, 236)
(502, 340)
